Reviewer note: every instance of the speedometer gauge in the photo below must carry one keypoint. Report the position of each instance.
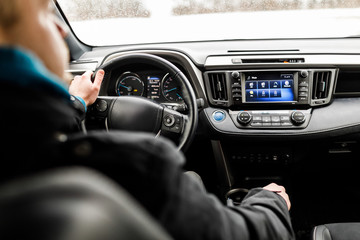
(129, 84)
(171, 89)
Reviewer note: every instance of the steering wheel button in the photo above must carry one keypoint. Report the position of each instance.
(169, 120)
(101, 106)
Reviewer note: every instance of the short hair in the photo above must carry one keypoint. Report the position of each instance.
(9, 13)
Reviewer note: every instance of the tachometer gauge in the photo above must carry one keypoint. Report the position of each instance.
(171, 89)
(129, 84)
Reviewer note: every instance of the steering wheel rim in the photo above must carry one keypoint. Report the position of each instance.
(190, 123)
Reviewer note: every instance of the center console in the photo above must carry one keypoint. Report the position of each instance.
(268, 98)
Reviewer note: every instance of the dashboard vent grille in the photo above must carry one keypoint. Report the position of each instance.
(321, 84)
(218, 86)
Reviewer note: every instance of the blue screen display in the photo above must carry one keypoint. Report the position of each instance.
(269, 87)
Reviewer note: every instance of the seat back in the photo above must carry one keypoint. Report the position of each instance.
(72, 204)
(337, 231)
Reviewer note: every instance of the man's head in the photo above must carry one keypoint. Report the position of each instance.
(32, 24)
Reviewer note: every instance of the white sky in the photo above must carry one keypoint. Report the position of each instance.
(159, 8)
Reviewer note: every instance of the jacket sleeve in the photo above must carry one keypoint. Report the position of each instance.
(80, 107)
(152, 171)
(194, 214)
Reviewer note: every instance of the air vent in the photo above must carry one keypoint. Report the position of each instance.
(321, 84)
(218, 86)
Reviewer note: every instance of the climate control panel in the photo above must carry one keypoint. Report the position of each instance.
(283, 119)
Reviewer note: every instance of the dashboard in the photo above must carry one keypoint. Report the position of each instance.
(296, 88)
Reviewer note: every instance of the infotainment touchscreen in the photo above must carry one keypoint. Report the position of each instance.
(269, 87)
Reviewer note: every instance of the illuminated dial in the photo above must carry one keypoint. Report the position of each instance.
(171, 89)
(129, 84)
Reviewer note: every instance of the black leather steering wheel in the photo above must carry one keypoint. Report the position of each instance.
(141, 114)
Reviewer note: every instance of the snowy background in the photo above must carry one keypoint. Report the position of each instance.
(159, 24)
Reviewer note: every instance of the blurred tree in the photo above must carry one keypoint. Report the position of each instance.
(96, 9)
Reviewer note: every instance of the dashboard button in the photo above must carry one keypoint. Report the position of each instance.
(219, 116)
(298, 117)
(303, 94)
(303, 89)
(275, 119)
(244, 118)
(284, 118)
(256, 124)
(266, 119)
(304, 74)
(303, 84)
(257, 119)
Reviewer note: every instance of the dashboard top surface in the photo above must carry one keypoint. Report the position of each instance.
(198, 52)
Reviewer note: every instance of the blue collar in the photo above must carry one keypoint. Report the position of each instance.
(21, 68)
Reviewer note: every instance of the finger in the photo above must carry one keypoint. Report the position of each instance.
(87, 75)
(273, 187)
(99, 78)
(77, 78)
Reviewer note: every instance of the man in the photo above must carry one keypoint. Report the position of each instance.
(40, 130)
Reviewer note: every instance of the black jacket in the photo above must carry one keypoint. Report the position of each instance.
(39, 126)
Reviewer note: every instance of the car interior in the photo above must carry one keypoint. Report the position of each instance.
(245, 113)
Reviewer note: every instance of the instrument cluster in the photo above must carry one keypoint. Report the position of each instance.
(156, 85)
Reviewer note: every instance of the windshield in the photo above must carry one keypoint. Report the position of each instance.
(118, 22)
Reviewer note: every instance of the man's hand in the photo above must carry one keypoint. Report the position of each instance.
(83, 87)
(279, 190)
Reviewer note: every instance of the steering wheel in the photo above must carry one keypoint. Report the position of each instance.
(144, 115)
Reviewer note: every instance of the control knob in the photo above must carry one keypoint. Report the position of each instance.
(235, 74)
(304, 74)
(298, 117)
(244, 118)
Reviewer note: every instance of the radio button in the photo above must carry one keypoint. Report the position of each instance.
(303, 89)
(303, 94)
(275, 119)
(257, 119)
(266, 119)
(236, 90)
(303, 84)
(236, 85)
(284, 118)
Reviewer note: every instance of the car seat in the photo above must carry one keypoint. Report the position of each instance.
(337, 231)
(72, 204)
